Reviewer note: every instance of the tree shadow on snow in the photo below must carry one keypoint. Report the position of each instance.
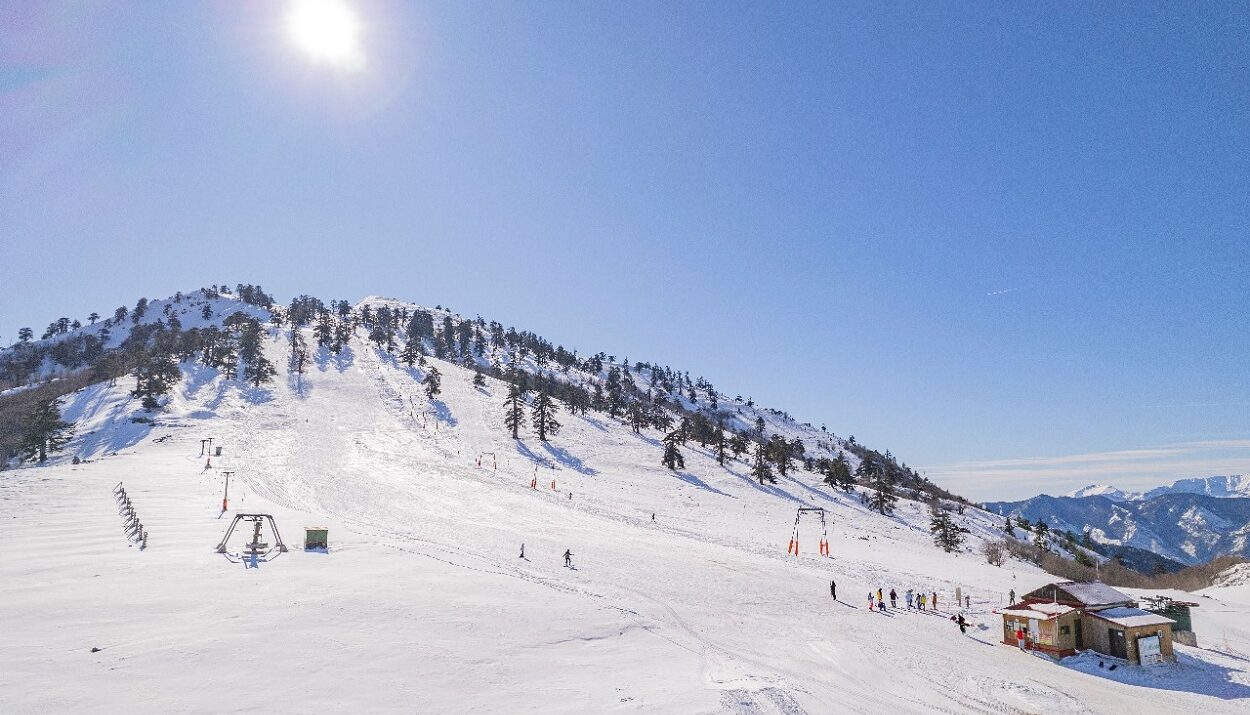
(769, 489)
(443, 412)
(325, 359)
(694, 481)
(524, 450)
(569, 460)
(256, 395)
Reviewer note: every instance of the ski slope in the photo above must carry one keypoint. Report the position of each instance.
(423, 603)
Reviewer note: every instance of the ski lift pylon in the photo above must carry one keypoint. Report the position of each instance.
(824, 530)
(494, 463)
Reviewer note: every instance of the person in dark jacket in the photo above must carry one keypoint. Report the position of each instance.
(833, 589)
(568, 558)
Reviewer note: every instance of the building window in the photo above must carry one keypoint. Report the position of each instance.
(1065, 630)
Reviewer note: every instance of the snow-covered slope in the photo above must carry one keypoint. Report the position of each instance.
(1102, 490)
(423, 602)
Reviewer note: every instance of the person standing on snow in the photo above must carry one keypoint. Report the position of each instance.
(935, 600)
(909, 595)
(921, 599)
(870, 601)
(833, 589)
(1020, 637)
(522, 551)
(893, 599)
(880, 598)
(967, 601)
(1011, 597)
(963, 625)
(568, 558)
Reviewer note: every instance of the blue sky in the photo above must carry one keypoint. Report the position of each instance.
(996, 240)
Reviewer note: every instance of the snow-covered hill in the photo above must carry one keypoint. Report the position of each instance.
(1223, 486)
(682, 598)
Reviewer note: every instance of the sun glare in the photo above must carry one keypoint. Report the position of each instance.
(327, 31)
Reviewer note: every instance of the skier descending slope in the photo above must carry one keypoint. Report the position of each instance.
(568, 558)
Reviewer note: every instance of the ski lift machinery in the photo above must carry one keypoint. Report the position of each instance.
(824, 530)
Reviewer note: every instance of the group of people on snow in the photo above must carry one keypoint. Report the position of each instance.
(921, 601)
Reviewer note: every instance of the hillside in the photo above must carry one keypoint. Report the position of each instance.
(682, 598)
(1181, 526)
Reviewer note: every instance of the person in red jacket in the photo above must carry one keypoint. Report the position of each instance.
(1020, 637)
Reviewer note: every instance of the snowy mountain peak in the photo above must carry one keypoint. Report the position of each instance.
(1102, 490)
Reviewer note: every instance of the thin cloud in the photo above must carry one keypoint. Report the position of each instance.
(1002, 292)
(1127, 469)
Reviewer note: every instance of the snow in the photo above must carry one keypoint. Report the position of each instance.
(422, 603)
(1094, 593)
(1131, 617)
(1038, 611)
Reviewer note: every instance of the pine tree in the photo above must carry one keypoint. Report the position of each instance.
(25, 335)
(721, 444)
(1007, 528)
(946, 533)
(1041, 529)
(411, 352)
(762, 469)
(673, 458)
(433, 383)
(514, 409)
(543, 416)
(881, 482)
(780, 452)
(479, 380)
(44, 432)
(739, 445)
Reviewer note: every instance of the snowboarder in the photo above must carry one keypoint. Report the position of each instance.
(568, 558)
(963, 625)
(893, 599)
(833, 589)
(909, 596)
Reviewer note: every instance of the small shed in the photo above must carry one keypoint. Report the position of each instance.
(1138, 636)
(316, 537)
(1052, 628)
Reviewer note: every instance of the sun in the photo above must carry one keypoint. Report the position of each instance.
(327, 31)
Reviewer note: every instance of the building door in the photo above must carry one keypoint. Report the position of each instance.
(1119, 646)
(1080, 635)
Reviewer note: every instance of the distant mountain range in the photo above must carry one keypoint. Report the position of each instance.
(1190, 521)
(1235, 485)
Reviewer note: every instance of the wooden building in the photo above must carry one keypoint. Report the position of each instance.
(1062, 618)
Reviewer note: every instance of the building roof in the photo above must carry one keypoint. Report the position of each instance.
(1037, 611)
(1131, 617)
(1088, 594)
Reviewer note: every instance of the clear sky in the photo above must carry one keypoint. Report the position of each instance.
(1008, 243)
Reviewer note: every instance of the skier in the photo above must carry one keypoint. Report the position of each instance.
(893, 599)
(568, 558)
(833, 589)
(963, 625)
(522, 551)
(909, 595)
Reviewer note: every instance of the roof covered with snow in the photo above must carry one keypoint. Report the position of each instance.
(1131, 617)
(1092, 593)
(1037, 611)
